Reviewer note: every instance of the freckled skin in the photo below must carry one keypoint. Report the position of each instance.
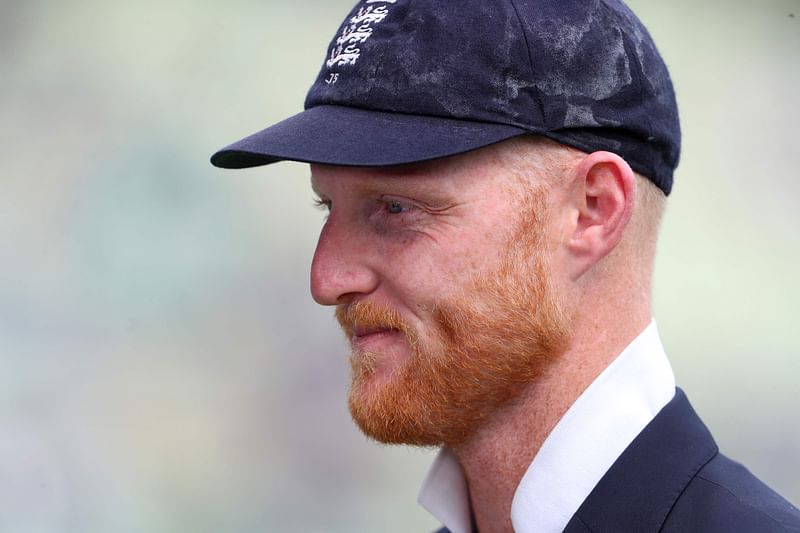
(406, 259)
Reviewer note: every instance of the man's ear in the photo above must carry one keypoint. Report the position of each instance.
(603, 194)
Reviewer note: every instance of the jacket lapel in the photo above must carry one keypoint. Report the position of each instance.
(639, 490)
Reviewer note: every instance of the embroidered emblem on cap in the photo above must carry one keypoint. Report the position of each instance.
(345, 50)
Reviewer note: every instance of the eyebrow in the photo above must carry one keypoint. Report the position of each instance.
(403, 177)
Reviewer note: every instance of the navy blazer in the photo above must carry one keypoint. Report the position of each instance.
(672, 479)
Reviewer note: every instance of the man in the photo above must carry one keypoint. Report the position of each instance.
(494, 174)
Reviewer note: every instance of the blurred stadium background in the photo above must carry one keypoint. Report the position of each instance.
(163, 368)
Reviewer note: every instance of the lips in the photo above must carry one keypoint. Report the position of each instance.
(361, 332)
(374, 338)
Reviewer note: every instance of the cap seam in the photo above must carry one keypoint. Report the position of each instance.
(536, 94)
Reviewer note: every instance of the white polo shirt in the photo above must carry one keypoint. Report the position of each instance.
(584, 444)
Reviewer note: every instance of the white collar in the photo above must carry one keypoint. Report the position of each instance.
(587, 440)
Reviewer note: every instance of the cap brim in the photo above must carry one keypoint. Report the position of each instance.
(338, 135)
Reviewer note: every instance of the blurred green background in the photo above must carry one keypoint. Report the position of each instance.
(163, 366)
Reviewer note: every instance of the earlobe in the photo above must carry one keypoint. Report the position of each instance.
(604, 195)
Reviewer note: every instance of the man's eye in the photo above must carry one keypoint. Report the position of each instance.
(395, 207)
(322, 204)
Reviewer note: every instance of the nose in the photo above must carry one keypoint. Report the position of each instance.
(340, 270)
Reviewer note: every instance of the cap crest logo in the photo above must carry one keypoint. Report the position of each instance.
(356, 31)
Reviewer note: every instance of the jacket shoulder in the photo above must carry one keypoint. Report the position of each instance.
(725, 497)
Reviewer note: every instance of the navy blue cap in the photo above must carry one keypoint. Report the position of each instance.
(412, 80)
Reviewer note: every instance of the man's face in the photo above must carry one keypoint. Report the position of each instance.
(439, 275)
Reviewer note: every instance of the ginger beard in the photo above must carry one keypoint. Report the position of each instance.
(480, 350)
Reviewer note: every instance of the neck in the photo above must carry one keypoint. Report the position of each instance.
(495, 457)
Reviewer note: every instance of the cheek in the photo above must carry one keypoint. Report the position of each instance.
(421, 279)
(410, 274)
(427, 267)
